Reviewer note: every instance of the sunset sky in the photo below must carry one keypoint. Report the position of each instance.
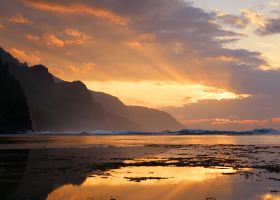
(212, 64)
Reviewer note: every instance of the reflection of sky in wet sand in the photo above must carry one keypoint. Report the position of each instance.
(169, 175)
(161, 183)
(165, 183)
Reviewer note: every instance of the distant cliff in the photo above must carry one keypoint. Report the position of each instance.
(149, 119)
(153, 120)
(14, 112)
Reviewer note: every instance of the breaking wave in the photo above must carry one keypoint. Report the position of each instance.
(181, 132)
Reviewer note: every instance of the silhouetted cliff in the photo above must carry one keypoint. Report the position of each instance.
(153, 120)
(149, 119)
(14, 112)
(59, 105)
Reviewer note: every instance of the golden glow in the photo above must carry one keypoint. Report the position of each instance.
(156, 62)
(255, 18)
(176, 183)
(271, 197)
(161, 93)
(170, 175)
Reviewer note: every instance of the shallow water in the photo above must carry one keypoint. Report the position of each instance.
(59, 167)
(179, 183)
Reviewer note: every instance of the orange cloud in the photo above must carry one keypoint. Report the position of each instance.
(25, 57)
(276, 120)
(19, 19)
(219, 121)
(223, 59)
(52, 40)
(84, 68)
(55, 71)
(140, 41)
(254, 17)
(240, 122)
(2, 26)
(147, 37)
(32, 37)
(134, 44)
(73, 69)
(89, 66)
(79, 37)
(78, 8)
(76, 38)
(194, 121)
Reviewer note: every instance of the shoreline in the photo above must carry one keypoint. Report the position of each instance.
(155, 165)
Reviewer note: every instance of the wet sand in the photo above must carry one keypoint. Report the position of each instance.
(140, 167)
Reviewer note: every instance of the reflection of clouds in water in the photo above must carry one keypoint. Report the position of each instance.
(169, 175)
(161, 182)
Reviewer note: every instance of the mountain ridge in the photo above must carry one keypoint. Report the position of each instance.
(149, 119)
(58, 105)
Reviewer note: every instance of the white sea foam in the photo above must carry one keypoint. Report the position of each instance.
(181, 132)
